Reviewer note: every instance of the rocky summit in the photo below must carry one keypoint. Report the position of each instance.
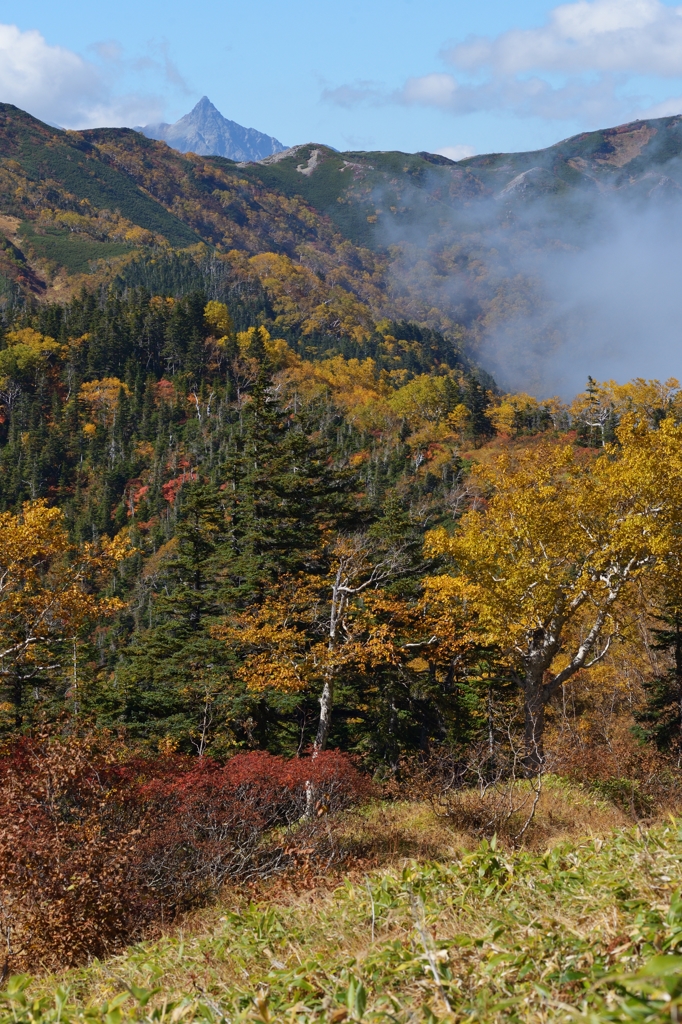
(206, 132)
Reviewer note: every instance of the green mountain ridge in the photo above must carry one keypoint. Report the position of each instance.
(608, 160)
(405, 236)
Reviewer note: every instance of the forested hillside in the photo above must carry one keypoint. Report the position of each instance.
(289, 588)
(337, 241)
(242, 529)
(234, 465)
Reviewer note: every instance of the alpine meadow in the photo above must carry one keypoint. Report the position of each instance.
(340, 626)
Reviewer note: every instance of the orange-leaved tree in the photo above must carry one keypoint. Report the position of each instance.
(310, 626)
(311, 629)
(49, 588)
(558, 552)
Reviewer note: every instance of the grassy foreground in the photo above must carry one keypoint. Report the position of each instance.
(588, 929)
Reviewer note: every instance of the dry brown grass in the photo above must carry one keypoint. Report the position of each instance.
(383, 833)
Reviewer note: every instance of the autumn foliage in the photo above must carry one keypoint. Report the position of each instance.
(94, 849)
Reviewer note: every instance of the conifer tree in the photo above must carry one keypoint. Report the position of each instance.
(476, 401)
(173, 666)
(662, 715)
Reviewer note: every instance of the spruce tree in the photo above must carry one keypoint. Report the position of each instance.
(476, 400)
(662, 714)
(173, 668)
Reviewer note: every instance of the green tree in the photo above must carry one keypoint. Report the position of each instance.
(476, 400)
(662, 715)
(174, 679)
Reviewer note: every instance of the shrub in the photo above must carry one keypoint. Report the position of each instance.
(63, 869)
(94, 847)
(205, 822)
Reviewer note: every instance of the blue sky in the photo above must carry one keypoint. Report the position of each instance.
(457, 77)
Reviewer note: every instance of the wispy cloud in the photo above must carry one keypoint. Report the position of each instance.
(355, 94)
(667, 108)
(532, 96)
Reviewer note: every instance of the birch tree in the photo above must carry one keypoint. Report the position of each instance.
(560, 549)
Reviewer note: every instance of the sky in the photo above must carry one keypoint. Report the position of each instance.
(453, 77)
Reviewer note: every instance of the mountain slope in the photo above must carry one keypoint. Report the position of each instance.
(52, 165)
(460, 248)
(612, 158)
(205, 131)
(379, 191)
(76, 207)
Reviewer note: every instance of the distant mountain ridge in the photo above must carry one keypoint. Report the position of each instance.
(340, 240)
(206, 132)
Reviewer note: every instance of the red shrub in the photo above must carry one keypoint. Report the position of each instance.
(93, 848)
(205, 822)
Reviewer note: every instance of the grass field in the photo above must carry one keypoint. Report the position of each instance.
(481, 934)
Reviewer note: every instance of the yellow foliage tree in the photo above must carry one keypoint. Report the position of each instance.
(311, 628)
(27, 351)
(48, 589)
(560, 549)
(341, 314)
(218, 319)
(352, 384)
(102, 397)
(512, 410)
(277, 351)
(293, 289)
(649, 401)
(425, 398)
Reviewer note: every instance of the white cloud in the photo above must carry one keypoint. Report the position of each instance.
(628, 36)
(668, 108)
(580, 65)
(526, 97)
(57, 85)
(590, 101)
(589, 63)
(355, 94)
(435, 90)
(456, 152)
(50, 81)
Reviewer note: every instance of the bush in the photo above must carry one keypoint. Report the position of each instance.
(205, 822)
(95, 847)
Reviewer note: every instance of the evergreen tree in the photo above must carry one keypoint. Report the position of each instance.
(476, 400)
(283, 493)
(174, 674)
(662, 715)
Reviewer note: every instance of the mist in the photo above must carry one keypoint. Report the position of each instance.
(611, 309)
(547, 285)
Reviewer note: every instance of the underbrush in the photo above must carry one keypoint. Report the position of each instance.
(97, 846)
(225, 876)
(588, 930)
(100, 847)
(483, 789)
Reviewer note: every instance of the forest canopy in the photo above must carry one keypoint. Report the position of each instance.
(251, 528)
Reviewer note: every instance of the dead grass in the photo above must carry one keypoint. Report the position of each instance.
(383, 833)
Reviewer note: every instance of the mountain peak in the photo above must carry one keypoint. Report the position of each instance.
(204, 106)
(205, 131)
